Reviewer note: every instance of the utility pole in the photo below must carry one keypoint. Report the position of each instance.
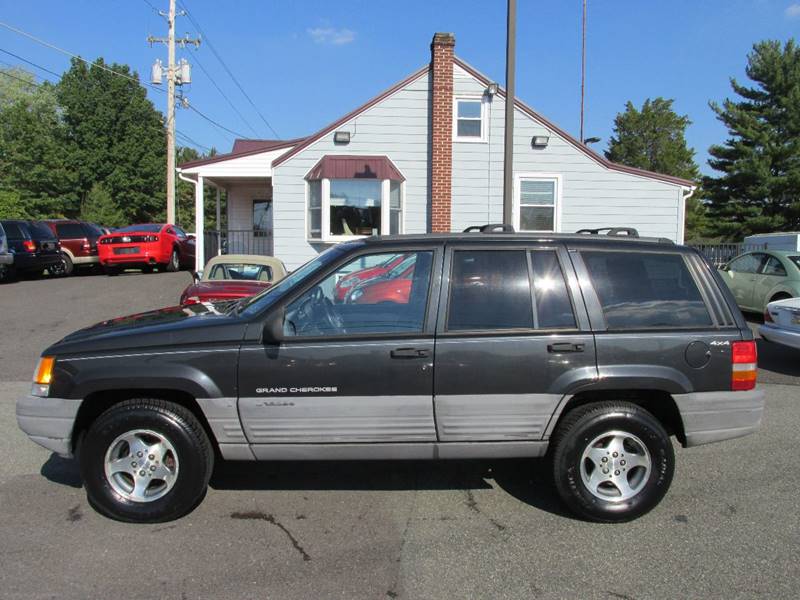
(583, 66)
(508, 148)
(176, 75)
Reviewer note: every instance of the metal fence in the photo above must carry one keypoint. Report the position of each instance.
(237, 241)
(719, 254)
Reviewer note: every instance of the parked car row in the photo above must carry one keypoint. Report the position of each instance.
(59, 246)
(768, 282)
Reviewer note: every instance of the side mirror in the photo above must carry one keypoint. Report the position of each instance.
(190, 236)
(273, 327)
(197, 275)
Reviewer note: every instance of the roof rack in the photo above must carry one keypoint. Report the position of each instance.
(618, 231)
(490, 228)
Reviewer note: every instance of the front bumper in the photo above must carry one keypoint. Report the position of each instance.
(48, 421)
(716, 416)
(785, 337)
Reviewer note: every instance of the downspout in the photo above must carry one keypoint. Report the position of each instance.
(682, 209)
(199, 220)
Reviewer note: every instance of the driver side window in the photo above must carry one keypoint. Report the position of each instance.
(374, 293)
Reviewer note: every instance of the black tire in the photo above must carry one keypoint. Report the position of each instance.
(174, 263)
(194, 458)
(575, 434)
(7, 273)
(64, 268)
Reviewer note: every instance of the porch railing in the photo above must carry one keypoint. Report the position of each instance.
(719, 254)
(237, 241)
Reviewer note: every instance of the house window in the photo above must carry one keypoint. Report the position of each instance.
(537, 203)
(355, 207)
(469, 113)
(262, 218)
(341, 209)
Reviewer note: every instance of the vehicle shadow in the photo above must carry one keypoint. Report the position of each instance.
(774, 357)
(526, 480)
(61, 470)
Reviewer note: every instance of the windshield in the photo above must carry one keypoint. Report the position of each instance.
(150, 227)
(259, 302)
(240, 271)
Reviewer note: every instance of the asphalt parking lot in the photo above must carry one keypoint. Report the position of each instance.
(730, 526)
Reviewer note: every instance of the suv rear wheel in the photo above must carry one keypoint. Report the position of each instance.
(612, 461)
(146, 461)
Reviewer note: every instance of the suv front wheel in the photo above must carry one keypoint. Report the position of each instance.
(146, 460)
(612, 461)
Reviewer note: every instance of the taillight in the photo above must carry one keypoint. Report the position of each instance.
(150, 238)
(744, 357)
(768, 317)
(30, 245)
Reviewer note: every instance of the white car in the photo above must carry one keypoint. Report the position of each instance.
(782, 322)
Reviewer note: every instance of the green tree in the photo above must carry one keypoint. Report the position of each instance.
(758, 189)
(116, 138)
(654, 138)
(100, 208)
(32, 136)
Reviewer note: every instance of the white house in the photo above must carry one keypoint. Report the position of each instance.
(426, 155)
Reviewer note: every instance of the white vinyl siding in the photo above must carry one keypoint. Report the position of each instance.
(591, 195)
(396, 127)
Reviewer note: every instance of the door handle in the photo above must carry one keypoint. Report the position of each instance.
(409, 353)
(561, 347)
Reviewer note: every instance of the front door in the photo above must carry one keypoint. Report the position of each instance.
(356, 364)
(513, 336)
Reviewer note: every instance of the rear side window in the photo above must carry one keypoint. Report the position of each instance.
(773, 267)
(70, 231)
(13, 232)
(40, 231)
(640, 290)
(490, 289)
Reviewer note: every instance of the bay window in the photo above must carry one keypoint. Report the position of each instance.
(350, 197)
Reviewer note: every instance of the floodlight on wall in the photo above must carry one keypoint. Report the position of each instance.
(492, 89)
(540, 141)
(341, 137)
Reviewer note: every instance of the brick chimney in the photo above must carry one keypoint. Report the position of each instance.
(441, 130)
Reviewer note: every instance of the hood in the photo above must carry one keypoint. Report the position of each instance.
(227, 288)
(175, 325)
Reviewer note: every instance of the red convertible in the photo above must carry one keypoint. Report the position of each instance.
(233, 276)
(351, 280)
(393, 286)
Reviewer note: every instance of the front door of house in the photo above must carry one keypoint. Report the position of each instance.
(262, 227)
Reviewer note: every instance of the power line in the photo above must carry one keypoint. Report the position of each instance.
(213, 122)
(224, 95)
(103, 67)
(33, 64)
(158, 12)
(225, 66)
(22, 79)
(68, 53)
(191, 141)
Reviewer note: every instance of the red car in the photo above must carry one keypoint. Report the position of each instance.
(233, 276)
(348, 282)
(394, 286)
(146, 246)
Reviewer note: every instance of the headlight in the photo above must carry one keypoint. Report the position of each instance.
(355, 295)
(43, 376)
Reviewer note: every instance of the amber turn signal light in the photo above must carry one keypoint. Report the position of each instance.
(44, 370)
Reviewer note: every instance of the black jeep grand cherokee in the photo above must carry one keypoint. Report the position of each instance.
(589, 350)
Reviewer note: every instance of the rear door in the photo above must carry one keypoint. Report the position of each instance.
(186, 243)
(512, 338)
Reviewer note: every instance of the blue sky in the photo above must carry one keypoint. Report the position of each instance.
(306, 63)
